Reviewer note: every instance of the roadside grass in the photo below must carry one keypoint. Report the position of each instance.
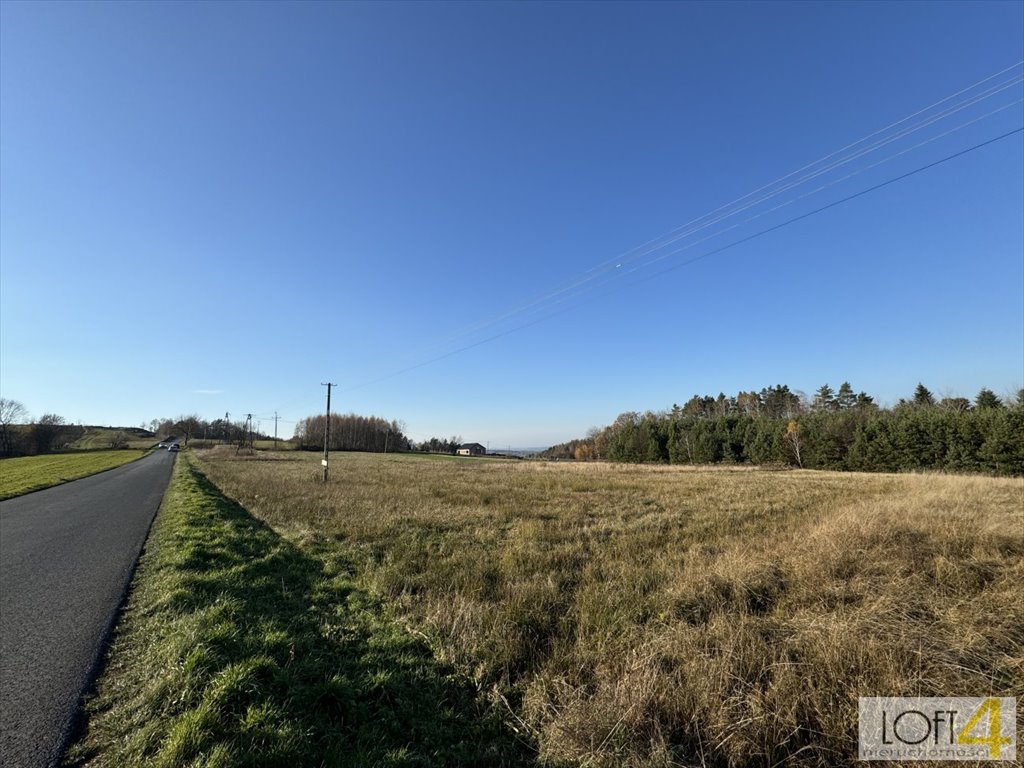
(32, 473)
(653, 616)
(238, 648)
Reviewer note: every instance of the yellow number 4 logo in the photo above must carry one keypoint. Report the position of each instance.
(995, 739)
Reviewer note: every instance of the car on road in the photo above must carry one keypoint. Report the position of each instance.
(162, 445)
(174, 447)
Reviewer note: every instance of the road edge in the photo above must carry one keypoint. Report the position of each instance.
(74, 726)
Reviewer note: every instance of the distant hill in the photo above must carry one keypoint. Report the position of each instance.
(520, 452)
(93, 437)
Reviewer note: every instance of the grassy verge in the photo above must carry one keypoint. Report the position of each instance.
(654, 616)
(239, 648)
(32, 473)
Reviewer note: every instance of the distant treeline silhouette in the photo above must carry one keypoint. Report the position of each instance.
(351, 432)
(840, 430)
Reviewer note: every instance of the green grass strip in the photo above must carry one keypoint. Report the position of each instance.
(33, 473)
(239, 648)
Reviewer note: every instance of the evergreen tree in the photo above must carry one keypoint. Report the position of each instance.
(779, 402)
(1003, 451)
(845, 398)
(922, 396)
(762, 442)
(864, 401)
(824, 399)
(966, 436)
(681, 441)
(773, 426)
(987, 399)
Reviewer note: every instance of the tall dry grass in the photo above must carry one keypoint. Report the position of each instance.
(636, 615)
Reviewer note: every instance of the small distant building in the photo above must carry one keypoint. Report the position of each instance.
(471, 449)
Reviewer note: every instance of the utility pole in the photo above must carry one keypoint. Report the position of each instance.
(227, 428)
(275, 430)
(327, 426)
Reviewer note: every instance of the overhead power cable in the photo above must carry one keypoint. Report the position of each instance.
(693, 260)
(610, 271)
(617, 274)
(834, 182)
(831, 205)
(742, 203)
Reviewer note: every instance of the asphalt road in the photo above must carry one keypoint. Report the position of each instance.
(66, 558)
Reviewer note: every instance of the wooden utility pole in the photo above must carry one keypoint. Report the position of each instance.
(327, 426)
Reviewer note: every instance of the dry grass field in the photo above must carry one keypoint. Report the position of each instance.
(651, 616)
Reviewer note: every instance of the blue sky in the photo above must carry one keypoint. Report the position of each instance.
(215, 207)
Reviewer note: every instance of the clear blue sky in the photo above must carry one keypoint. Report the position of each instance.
(215, 207)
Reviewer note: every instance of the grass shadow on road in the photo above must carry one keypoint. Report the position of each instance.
(238, 648)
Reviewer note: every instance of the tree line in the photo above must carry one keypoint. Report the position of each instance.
(21, 435)
(833, 429)
(439, 445)
(190, 427)
(351, 432)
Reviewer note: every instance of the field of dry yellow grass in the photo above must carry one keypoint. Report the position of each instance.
(655, 616)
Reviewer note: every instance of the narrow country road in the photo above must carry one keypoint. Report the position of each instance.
(66, 557)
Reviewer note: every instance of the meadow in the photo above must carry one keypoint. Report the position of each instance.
(654, 615)
(32, 473)
(239, 648)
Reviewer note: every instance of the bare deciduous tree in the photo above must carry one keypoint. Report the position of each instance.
(792, 439)
(46, 432)
(187, 425)
(11, 413)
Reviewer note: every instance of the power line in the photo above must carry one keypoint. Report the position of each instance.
(790, 201)
(847, 177)
(610, 270)
(568, 291)
(833, 204)
(720, 214)
(695, 259)
(861, 153)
